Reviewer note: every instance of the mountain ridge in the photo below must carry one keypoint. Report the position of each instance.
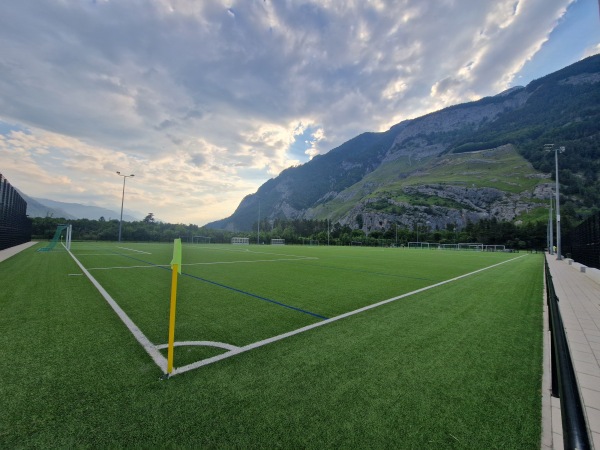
(562, 107)
(41, 207)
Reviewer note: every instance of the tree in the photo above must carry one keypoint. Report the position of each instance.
(149, 218)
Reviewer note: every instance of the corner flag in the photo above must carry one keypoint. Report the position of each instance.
(176, 261)
(176, 268)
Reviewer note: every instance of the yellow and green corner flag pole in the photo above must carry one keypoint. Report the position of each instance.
(176, 269)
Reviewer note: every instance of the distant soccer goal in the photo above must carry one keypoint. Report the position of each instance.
(426, 245)
(494, 248)
(240, 241)
(355, 243)
(201, 239)
(474, 246)
(277, 241)
(448, 247)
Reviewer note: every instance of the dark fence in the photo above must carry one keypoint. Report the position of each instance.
(15, 226)
(583, 243)
(564, 383)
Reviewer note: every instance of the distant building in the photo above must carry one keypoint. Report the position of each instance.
(15, 226)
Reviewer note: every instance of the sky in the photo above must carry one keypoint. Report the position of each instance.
(204, 101)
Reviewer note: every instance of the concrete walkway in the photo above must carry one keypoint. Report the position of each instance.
(579, 303)
(7, 253)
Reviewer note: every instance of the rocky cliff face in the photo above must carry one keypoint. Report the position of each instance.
(476, 204)
(412, 138)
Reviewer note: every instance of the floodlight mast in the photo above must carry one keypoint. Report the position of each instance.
(122, 201)
(550, 231)
(557, 150)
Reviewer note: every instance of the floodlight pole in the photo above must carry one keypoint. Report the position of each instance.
(557, 150)
(122, 201)
(558, 240)
(258, 228)
(550, 231)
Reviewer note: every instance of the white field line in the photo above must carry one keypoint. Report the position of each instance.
(134, 250)
(300, 258)
(252, 251)
(132, 267)
(97, 254)
(270, 340)
(150, 348)
(200, 343)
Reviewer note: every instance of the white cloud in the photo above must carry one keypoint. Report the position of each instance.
(591, 51)
(204, 100)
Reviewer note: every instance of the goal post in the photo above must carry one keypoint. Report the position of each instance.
(277, 241)
(240, 241)
(494, 248)
(68, 230)
(474, 246)
(201, 239)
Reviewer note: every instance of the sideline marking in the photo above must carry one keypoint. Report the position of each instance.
(150, 348)
(130, 267)
(299, 258)
(205, 362)
(134, 250)
(200, 343)
(199, 264)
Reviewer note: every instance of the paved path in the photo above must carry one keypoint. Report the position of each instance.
(579, 304)
(7, 253)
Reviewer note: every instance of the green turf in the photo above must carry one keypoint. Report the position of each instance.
(458, 366)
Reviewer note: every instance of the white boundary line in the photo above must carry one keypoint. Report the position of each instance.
(205, 263)
(150, 348)
(299, 258)
(200, 343)
(270, 340)
(153, 266)
(134, 250)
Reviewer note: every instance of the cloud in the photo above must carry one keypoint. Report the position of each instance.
(207, 100)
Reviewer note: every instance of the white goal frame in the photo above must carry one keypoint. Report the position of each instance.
(240, 241)
(277, 241)
(427, 245)
(494, 248)
(473, 246)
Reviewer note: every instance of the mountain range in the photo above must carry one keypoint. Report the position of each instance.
(483, 159)
(42, 207)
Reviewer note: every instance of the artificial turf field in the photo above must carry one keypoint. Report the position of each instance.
(455, 366)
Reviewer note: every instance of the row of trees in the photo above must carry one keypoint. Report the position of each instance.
(489, 232)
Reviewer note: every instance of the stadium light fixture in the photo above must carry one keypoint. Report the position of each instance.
(122, 200)
(557, 150)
